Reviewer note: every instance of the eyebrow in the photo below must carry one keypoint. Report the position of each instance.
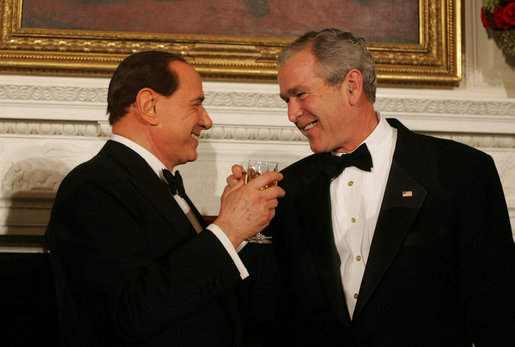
(291, 91)
(198, 99)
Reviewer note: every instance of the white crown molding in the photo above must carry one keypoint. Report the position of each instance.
(259, 97)
(48, 125)
(263, 96)
(102, 130)
(254, 113)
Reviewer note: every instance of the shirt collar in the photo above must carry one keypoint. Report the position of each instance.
(376, 140)
(156, 165)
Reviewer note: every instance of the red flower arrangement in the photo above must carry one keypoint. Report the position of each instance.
(499, 16)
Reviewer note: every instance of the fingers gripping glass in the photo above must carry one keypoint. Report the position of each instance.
(253, 169)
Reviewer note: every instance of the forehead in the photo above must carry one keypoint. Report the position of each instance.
(297, 72)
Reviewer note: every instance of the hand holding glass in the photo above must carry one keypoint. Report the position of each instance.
(254, 168)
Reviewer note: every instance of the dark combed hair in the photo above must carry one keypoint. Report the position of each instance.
(336, 52)
(149, 69)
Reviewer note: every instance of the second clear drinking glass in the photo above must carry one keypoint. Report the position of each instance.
(254, 168)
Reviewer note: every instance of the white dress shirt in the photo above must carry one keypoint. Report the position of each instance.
(158, 167)
(356, 198)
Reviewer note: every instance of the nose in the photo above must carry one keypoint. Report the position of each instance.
(294, 110)
(205, 121)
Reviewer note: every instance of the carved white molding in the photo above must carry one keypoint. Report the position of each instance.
(446, 106)
(45, 129)
(102, 130)
(34, 174)
(247, 115)
(25, 95)
(52, 93)
(36, 128)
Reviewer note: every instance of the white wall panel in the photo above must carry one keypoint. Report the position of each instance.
(48, 125)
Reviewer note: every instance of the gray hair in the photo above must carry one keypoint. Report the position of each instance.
(336, 52)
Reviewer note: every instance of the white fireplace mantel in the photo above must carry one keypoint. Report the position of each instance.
(49, 124)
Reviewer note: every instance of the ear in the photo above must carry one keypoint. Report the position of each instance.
(354, 86)
(146, 101)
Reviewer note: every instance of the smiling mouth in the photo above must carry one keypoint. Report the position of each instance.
(195, 136)
(309, 126)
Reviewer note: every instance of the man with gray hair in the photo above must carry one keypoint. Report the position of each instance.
(385, 237)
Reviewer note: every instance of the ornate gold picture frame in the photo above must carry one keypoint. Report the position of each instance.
(434, 60)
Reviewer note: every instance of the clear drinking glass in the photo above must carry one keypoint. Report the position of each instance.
(254, 168)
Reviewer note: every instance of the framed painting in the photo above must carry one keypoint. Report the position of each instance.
(413, 42)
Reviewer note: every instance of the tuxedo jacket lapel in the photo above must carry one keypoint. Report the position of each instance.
(316, 225)
(157, 194)
(152, 189)
(397, 215)
(403, 199)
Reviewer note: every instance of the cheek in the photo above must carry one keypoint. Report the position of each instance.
(310, 109)
(181, 129)
(322, 106)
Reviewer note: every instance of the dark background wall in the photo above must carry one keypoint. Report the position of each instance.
(28, 314)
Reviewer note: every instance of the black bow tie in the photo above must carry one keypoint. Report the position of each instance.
(175, 182)
(360, 158)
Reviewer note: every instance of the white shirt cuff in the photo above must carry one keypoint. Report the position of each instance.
(215, 229)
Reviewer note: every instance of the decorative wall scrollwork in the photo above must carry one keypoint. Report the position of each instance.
(52, 93)
(97, 96)
(53, 128)
(101, 130)
(34, 174)
(47, 129)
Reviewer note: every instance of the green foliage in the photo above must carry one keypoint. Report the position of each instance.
(489, 5)
(506, 40)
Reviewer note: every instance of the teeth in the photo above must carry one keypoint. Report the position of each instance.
(195, 136)
(309, 126)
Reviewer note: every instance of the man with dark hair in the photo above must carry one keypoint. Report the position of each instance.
(385, 237)
(134, 262)
(146, 69)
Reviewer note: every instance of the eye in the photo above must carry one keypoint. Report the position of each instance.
(301, 95)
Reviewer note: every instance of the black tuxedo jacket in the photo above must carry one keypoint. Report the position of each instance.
(441, 269)
(128, 265)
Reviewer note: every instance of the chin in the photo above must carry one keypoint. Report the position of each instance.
(187, 158)
(314, 148)
(193, 156)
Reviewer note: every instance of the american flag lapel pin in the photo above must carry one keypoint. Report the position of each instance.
(407, 193)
